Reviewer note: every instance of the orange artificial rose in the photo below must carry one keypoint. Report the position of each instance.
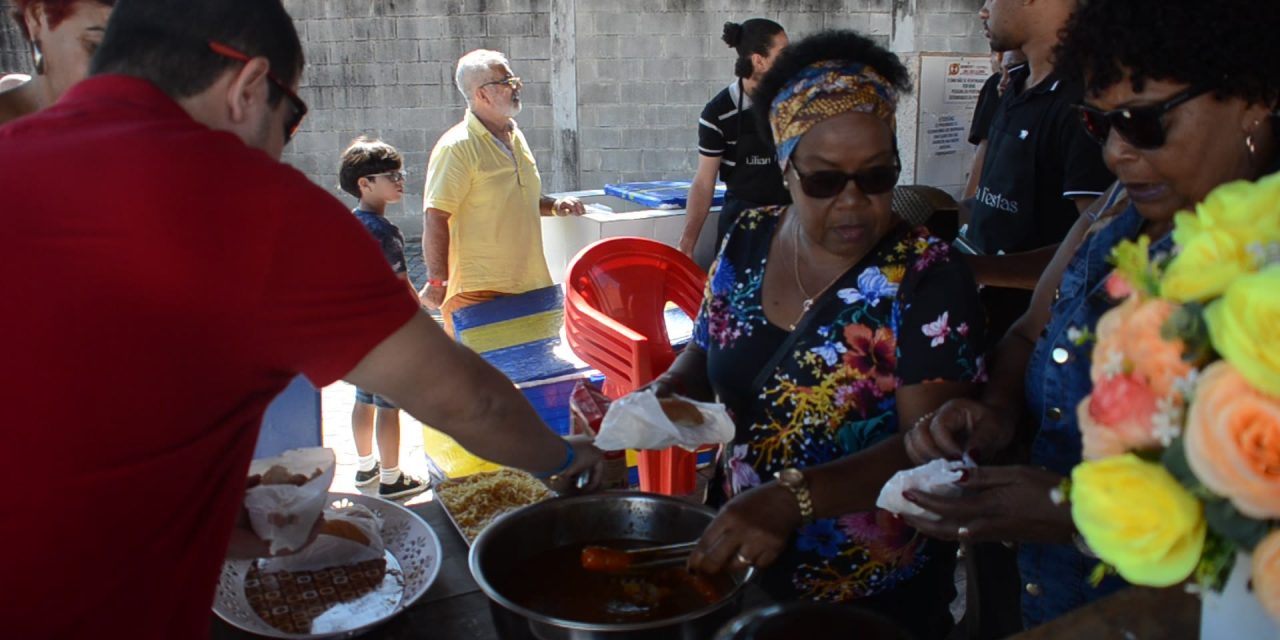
(1131, 332)
(1117, 418)
(1266, 574)
(1233, 441)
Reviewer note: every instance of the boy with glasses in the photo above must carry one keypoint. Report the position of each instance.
(372, 171)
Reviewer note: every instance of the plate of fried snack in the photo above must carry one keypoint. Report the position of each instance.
(473, 501)
(371, 560)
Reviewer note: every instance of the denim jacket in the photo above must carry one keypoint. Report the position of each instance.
(1055, 576)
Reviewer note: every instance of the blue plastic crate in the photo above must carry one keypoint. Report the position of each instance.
(662, 194)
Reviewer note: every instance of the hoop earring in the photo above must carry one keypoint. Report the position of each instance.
(1249, 144)
(38, 57)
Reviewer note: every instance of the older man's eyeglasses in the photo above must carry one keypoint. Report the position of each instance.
(829, 184)
(513, 82)
(299, 107)
(1142, 127)
(393, 176)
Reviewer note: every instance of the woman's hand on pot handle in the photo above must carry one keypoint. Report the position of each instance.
(998, 504)
(960, 426)
(752, 529)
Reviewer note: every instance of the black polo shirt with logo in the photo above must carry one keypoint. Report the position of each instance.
(1038, 158)
(727, 129)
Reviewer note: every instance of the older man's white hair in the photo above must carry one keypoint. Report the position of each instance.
(473, 70)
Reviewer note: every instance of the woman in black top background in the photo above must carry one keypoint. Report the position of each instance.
(730, 142)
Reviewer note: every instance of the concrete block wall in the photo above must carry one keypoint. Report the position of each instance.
(644, 69)
(15, 55)
(642, 72)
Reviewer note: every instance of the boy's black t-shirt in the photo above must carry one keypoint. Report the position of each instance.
(389, 238)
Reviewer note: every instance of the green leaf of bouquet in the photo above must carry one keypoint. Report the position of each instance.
(1150, 455)
(1175, 460)
(1188, 325)
(1227, 521)
(1216, 561)
(1100, 573)
(1223, 518)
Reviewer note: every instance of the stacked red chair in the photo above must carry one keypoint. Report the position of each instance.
(616, 295)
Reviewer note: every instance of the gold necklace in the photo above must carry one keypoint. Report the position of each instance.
(808, 299)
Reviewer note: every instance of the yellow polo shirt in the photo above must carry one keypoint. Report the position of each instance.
(495, 234)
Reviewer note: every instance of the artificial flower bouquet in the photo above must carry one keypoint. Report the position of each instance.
(1181, 434)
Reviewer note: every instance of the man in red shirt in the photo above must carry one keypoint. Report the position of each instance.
(164, 276)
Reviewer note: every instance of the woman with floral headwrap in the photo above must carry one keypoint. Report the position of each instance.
(828, 327)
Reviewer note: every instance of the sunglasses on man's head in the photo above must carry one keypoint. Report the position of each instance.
(299, 107)
(1142, 127)
(829, 184)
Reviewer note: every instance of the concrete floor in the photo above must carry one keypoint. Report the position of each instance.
(336, 401)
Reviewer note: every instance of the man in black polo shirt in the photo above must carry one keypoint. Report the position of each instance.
(1041, 168)
(1003, 64)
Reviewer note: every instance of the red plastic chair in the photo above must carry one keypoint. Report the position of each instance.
(616, 292)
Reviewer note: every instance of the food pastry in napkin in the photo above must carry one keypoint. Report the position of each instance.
(641, 420)
(937, 477)
(286, 494)
(348, 535)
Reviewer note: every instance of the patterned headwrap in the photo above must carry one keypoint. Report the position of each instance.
(826, 89)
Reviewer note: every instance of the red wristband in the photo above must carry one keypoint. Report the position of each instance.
(432, 282)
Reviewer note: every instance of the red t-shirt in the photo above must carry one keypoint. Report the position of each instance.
(162, 282)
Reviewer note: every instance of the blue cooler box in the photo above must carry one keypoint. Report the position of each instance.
(663, 194)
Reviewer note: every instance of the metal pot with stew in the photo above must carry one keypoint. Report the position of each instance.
(531, 565)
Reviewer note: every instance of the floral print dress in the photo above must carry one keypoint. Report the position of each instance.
(907, 314)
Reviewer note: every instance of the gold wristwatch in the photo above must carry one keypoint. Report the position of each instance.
(793, 479)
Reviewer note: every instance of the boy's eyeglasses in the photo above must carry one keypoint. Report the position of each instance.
(513, 82)
(299, 107)
(394, 176)
(829, 184)
(1142, 127)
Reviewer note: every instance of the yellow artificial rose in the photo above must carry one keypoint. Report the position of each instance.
(1233, 441)
(1137, 518)
(1244, 326)
(1224, 239)
(1266, 573)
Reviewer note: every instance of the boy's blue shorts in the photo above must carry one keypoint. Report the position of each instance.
(373, 399)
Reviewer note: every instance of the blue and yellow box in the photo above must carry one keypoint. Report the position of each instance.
(520, 336)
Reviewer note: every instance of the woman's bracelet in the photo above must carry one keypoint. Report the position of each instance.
(569, 456)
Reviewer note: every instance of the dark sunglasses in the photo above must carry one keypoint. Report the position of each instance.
(1142, 127)
(299, 107)
(829, 184)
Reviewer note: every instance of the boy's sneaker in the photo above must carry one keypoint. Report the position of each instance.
(369, 477)
(406, 486)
